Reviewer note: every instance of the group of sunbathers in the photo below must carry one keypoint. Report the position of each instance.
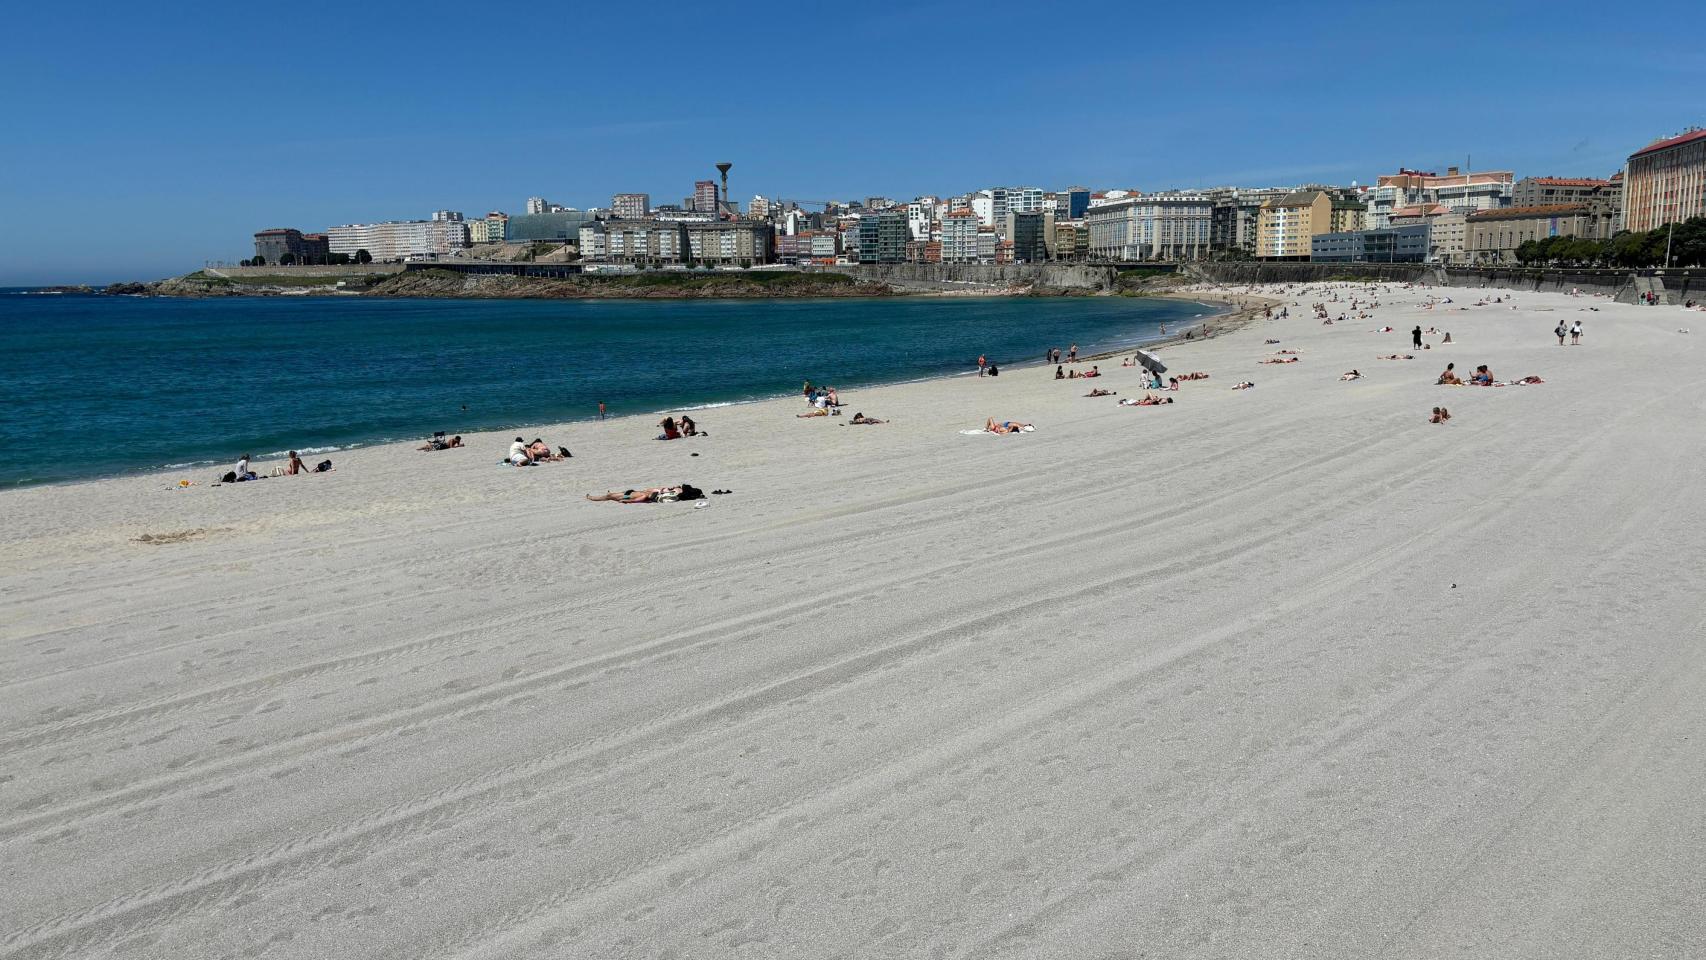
(1060, 373)
(439, 443)
(524, 454)
(674, 428)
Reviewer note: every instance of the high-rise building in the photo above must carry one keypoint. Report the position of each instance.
(1288, 223)
(631, 206)
(537, 205)
(920, 215)
(959, 236)
(448, 216)
(1666, 182)
(731, 243)
(1031, 234)
(883, 235)
(705, 196)
(759, 207)
(1151, 226)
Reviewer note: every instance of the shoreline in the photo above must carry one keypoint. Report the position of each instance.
(524, 426)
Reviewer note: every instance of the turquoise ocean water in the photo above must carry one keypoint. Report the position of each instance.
(95, 385)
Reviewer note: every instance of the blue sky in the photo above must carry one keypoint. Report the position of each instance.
(141, 139)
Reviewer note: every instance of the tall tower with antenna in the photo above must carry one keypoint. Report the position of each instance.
(723, 168)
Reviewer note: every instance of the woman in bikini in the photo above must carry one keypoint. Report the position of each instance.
(1005, 426)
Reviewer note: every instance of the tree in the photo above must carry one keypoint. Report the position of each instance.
(1528, 252)
(259, 261)
(287, 260)
(362, 256)
(337, 259)
(242, 263)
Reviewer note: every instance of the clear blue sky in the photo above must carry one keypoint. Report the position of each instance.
(141, 139)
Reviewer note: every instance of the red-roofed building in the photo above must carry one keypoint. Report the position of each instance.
(1666, 182)
(1603, 197)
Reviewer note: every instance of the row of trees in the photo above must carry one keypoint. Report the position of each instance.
(329, 260)
(1627, 249)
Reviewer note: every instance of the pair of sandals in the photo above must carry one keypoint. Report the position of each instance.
(715, 492)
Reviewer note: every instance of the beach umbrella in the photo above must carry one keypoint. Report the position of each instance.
(1151, 362)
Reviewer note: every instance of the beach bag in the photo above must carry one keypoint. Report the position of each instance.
(323, 466)
(230, 477)
(565, 452)
(690, 492)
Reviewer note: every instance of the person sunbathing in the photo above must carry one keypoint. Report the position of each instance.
(689, 428)
(813, 412)
(1271, 341)
(670, 431)
(1396, 356)
(539, 450)
(649, 495)
(1006, 426)
(1278, 360)
(1353, 375)
(1530, 379)
(1483, 376)
(1450, 377)
(1288, 353)
(860, 418)
(1148, 400)
(1059, 374)
(438, 443)
(1441, 415)
(1102, 393)
(1243, 385)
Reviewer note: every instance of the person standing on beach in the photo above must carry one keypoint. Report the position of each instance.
(1416, 336)
(1072, 354)
(1576, 334)
(1560, 332)
(601, 409)
(982, 362)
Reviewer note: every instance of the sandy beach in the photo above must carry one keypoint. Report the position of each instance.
(1281, 672)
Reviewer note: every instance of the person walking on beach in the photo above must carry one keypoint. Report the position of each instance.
(982, 362)
(1560, 332)
(1416, 336)
(601, 409)
(1576, 334)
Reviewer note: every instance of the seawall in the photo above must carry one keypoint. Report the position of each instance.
(947, 276)
(1671, 286)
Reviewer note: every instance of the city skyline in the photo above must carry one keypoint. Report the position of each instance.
(197, 129)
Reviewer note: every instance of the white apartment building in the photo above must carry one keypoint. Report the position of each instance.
(1157, 226)
(537, 205)
(920, 214)
(592, 242)
(398, 239)
(993, 205)
(959, 236)
(1459, 192)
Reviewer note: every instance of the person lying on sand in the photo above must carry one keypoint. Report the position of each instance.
(1102, 393)
(651, 495)
(859, 418)
(1396, 356)
(817, 412)
(1279, 360)
(1441, 415)
(1352, 375)
(1270, 341)
(1194, 376)
(1006, 426)
(439, 443)
(1147, 400)
(1288, 353)
(1244, 385)
(1528, 380)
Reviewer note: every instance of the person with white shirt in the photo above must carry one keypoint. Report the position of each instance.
(242, 471)
(518, 453)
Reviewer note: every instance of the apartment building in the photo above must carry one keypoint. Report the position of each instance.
(1603, 197)
(1447, 230)
(276, 244)
(959, 236)
(1289, 223)
(732, 243)
(1666, 182)
(1488, 190)
(1150, 226)
(1031, 233)
(646, 243)
(631, 206)
(398, 239)
(883, 235)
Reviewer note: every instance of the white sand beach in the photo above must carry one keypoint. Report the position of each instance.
(1284, 672)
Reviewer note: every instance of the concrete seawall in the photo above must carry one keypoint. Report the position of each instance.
(945, 276)
(1672, 286)
(270, 270)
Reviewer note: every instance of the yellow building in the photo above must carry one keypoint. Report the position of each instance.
(1287, 223)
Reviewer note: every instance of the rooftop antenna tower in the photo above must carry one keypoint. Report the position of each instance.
(723, 168)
